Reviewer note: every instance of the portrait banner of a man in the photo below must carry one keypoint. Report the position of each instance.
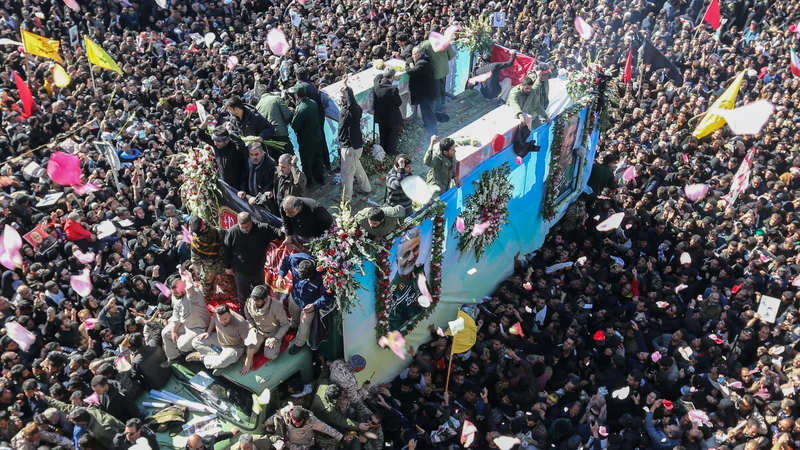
(409, 260)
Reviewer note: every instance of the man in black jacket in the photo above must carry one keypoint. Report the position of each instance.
(386, 108)
(248, 122)
(134, 430)
(113, 401)
(423, 89)
(493, 87)
(229, 150)
(247, 243)
(351, 143)
(197, 442)
(303, 219)
(259, 175)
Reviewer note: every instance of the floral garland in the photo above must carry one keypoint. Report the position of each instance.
(556, 172)
(383, 287)
(478, 35)
(340, 254)
(487, 206)
(200, 190)
(582, 82)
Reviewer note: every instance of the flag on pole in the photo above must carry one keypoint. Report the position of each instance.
(464, 332)
(795, 64)
(41, 46)
(25, 95)
(627, 75)
(713, 120)
(99, 57)
(652, 56)
(712, 15)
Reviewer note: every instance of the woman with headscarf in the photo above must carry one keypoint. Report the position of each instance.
(208, 257)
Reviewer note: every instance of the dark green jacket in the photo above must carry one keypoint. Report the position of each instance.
(305, 123)
(329, 412)
(440, 61)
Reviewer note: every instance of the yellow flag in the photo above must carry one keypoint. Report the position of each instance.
(712, 121)
(99, 57)
(466, 332)
(41, 46)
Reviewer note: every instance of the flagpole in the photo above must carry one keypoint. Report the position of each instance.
(450, 365)
(94, 85)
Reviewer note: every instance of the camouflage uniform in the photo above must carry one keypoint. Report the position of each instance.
(313, 432)
(342, 376)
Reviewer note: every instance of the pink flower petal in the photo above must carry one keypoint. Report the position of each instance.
(584, 29)
(519, 160)
(277, 42)
(163, 289)
(527, 286)
(73, 5)
(83, 258)
(439, 331)
(460, 224)
(20, 335)
(187, 235)
(629, 174)
(479, 228)
(425, 298)
(612, 223)
(232, 62)
(10, 244)
(695, 192)
(395, 341)
(64, 169)
(748, 119)
(83, 189)
(82, 284)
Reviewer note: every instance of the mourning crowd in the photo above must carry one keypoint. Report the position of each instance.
(649, 337)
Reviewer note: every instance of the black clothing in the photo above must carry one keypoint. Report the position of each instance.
(312, 220)
(491, 87)
(247, 252)
(231, 159)
(350, 123)
(254, 124)
(421, 83)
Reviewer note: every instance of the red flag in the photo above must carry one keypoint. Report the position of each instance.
(712, 15)
(24, 95)
(627, 75)
(522, 64)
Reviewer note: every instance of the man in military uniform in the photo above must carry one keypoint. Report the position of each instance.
(268, 323)
(404, 285)
(377, 222)
(532, 97)
(299, 429)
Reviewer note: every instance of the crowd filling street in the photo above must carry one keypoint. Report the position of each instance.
(652, 339)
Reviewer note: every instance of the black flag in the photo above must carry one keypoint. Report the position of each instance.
(649, 54)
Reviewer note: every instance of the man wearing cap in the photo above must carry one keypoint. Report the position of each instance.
(274, 109)
(310, 140)
(268, 325)
(386, 109)
(229, 151)
(299, 429)
(343, 375)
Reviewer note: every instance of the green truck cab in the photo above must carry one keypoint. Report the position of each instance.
(242, 402)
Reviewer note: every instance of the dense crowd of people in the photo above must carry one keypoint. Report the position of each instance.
(650, 339)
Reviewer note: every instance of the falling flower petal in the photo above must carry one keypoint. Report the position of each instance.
(440, 42)
(506, 442)
(472, 271)
(64, 169)
(396, 343)
(425, 298)
(417, 189)
(581, 260)
(516, 330)
(622, 393)
(163, 289)
(655, 356)
(82, 284)
(479, 228)
(187, 235)
(209, 39)
(468, 433)
(60, 76)
(90, 323)
(10, 245)
(584, 29)
(748, 119)
(612, 223)
(20, 335)
(527, 286)
(83, 258)
(277, 42)
(519, 160)
(439, 331)
(87, 188)
(460, 224)
(232, 62)
(686, 258)
(629, 174)
(122, 364)
(696, 191)
(73, 5)
(480, 78)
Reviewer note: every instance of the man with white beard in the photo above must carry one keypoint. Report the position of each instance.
(404, 287)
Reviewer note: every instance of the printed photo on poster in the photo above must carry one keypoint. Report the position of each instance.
(40, 239)
(409, 259)
(768, 308)
(567, 155)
